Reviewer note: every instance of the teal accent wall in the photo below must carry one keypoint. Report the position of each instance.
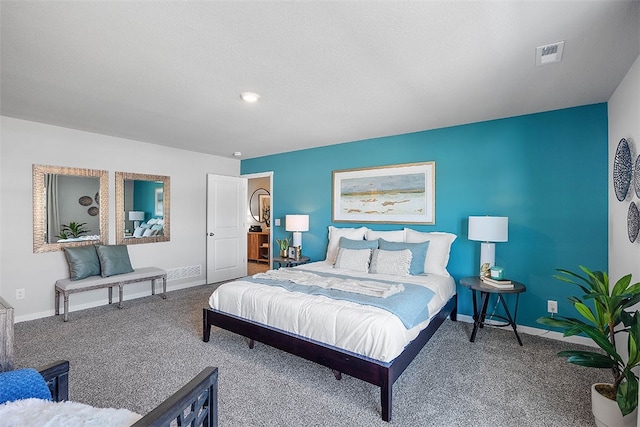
(547, 172)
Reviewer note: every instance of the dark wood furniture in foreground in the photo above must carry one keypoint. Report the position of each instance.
(382, 374)
(195, 404)
(477, 286)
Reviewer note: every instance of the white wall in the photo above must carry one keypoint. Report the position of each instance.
(624, 122)
(26, 143)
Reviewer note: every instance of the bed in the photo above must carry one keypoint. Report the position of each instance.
(350, 337)
(195, 404)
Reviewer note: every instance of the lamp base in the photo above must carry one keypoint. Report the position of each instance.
(297, 238)
(487, 256)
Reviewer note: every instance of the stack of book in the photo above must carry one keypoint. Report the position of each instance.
(503, 284)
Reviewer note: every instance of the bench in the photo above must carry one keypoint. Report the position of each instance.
(68, 286)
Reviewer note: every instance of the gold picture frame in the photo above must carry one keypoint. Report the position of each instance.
(397, 194)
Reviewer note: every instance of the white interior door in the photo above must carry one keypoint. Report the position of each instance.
(226, 227)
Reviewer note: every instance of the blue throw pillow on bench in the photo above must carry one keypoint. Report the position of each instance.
(83, 262)
(114, 259)
(23, 384)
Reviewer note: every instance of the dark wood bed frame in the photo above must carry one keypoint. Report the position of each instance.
(382, 374)
(195, 404)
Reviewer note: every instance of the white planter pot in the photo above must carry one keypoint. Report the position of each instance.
(607, 413)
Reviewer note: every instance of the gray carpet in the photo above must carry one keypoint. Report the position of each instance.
(136, 357)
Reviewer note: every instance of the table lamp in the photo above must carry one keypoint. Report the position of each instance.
(488, 229)
(136, 217)
(297, 224)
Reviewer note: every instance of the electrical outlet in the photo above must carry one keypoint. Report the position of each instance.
(20, 293)
(277, 222)
(552, 306)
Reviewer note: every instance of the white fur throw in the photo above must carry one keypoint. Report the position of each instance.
(44, 413)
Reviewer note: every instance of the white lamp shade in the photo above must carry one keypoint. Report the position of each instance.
(136, 215)
(297, 223)
(489, 228)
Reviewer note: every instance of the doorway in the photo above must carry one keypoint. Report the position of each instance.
(259, 208)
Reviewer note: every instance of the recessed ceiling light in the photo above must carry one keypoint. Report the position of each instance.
(237, 154)
(249, 96)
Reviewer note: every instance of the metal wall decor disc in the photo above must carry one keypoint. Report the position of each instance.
(636, 176)
(633, 222)
(622, 170)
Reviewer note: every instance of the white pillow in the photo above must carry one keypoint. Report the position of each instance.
(395, 263)
(438, 253)
(353, 259)
(334, 239)
(152, 221)
(138, 232)
(389, 236)
(148, 232)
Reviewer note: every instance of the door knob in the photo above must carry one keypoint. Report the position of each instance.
(210, 234)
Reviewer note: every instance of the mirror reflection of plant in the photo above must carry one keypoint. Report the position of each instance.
(73, 229)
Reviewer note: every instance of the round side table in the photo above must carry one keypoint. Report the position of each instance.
(481, 292)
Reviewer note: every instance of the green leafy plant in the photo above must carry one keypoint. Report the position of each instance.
(74, 229)
(609, 320)
(63, 235)
(283, 243)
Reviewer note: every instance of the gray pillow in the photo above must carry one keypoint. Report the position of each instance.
(114, 259)
(83, 262)
(418, 253)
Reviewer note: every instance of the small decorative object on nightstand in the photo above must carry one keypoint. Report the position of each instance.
(482, 290)
(496, 273)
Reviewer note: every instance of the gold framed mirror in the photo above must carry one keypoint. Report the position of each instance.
(143, 207)
(70, 207)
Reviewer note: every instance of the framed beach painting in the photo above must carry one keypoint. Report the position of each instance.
(391, 194)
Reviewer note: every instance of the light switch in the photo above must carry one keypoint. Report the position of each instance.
(277, 222)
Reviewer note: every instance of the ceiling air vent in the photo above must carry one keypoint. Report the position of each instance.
(549, 54)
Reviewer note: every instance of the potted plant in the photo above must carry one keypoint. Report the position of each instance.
(284, 245)
(608, 321)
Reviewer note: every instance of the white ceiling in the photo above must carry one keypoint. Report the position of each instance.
(171, 72)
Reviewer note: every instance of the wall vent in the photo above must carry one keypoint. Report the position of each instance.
(549, 54)
(183, 272)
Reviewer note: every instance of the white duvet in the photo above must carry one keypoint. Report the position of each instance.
(362, 329)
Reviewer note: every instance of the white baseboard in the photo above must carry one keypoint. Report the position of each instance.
(540, 332)
(92, 304)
